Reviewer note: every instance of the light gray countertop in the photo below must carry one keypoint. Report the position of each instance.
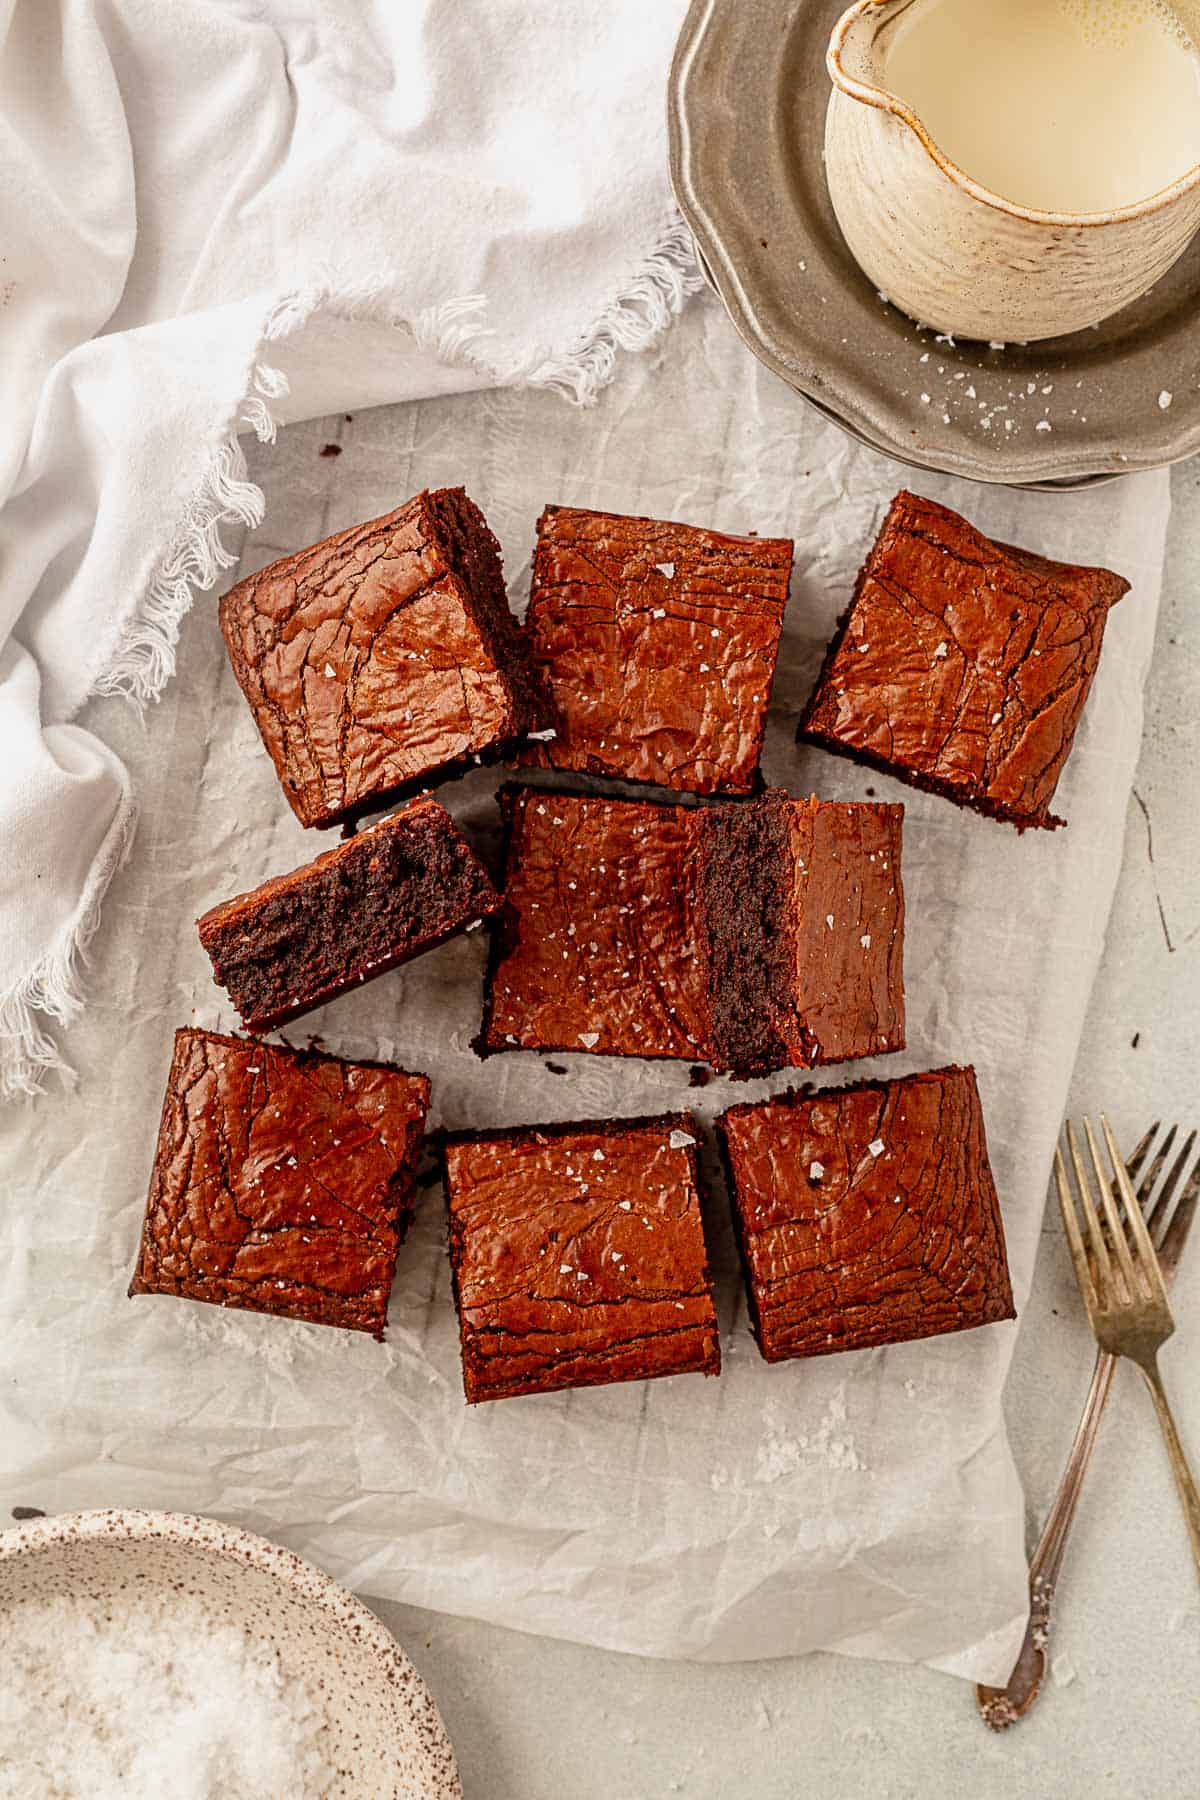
(533, 1719)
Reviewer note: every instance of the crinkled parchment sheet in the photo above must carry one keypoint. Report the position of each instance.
(863, 1502)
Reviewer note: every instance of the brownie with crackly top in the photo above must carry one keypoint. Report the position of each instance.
(383, 656)
(866, 1215)
(753, 935)
(658, 643)
(578, 1257)
(282, 1181)
(384, 896)
(962, 665)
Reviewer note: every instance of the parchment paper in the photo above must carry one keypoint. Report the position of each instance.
(863, 1502)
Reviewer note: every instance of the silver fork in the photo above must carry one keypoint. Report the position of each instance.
(1169, 1230)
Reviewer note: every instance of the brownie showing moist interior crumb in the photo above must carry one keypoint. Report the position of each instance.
(658, 642)
(754, 935)
(745, 894)
(383, 656)
(577, 1254)
(380, 898)
(962, 665)
(866, 1215)
(282, 1181)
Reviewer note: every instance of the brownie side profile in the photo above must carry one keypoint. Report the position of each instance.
(382, 656)
(962, 665)
(379, 899)
(801, 911)
(658, 643)
(577, 1255)
(282, 1181)
(596, 948)
(746, 903)
(866, 1215)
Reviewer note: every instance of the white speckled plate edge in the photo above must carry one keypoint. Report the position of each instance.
(748, 178)
(411, 1743)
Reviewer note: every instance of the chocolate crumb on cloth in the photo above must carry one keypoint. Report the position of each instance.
(282, 1181)
(962, 665)
(384, 896)
(658, 642)
(866, 1215)
(382, 656)
(754, 935)
(578, 1255)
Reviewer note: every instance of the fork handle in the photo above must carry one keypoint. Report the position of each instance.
(1004, 1706)
(1184, 1479)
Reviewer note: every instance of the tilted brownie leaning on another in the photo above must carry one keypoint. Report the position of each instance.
(753, 935)
(282, 1181)
(866, 1215)
(577, 1254)
(386, 895)
(383, 656)
(962, 665)
(658, 643)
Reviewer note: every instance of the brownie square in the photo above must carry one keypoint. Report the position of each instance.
(658, 643)
(866, 1215)
(578, 1255)
(962, 665)
(282, 1181)
(800, 910)
(753, 935)
(597, 947)
(384, 896)
(381, 656)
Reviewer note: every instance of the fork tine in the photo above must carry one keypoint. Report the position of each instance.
(1141, 1237)
(1120, 1242)
(1070, 1219)
(1176, 1234)
(1099, 1248)
(1157, 1215)
(1134, 1164)
(1146, 1188)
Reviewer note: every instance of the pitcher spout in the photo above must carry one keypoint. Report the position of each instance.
(853, 59)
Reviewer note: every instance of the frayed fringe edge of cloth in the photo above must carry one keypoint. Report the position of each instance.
(53, 989)
(454, 333)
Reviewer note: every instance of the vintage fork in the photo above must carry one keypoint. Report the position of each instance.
(1169, 1230)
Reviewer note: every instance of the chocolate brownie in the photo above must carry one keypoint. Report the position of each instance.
(658, 642)
(379, 899)
(866, 1215)
(578, 1255)
(753, 935)
(282, 1181)
(381, 656)
(962, 665)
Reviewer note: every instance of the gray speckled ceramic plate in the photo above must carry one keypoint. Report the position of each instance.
(382, 1731)
(747, 102)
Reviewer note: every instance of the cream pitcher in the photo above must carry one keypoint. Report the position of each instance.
(1015, 169)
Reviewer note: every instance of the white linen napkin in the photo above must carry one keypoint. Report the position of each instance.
(224, 214)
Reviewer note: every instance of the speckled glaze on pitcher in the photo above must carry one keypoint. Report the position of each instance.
(954, 255)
